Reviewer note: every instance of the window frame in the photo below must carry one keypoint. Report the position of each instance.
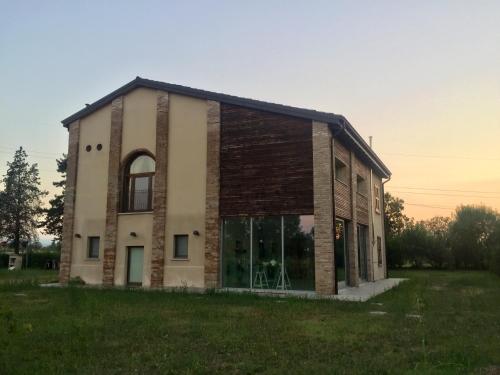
(175, 254)
(376, 194)
(89, 247)
(128, 185)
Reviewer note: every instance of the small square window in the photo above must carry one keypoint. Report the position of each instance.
(181, 246)
(93, 247)
(340, 171)
(376, 193)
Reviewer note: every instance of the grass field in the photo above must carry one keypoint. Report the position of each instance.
(89, 331)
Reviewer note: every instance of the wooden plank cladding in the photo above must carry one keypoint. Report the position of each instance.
(343, 200)
(266, 163)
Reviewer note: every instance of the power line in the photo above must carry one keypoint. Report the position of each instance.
(447, 195)
(437, 189)
(429, 206)
(438, 156)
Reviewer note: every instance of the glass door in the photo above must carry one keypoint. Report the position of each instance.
(267, 254)
(236, 252)
(135, 265)
(340, 253)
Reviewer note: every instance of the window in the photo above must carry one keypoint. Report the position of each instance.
(340, 171)
(361, 185)
(138, 184)
(376, 193)
(379, 250)
(181, 246)
(93, 247)
(268, 252)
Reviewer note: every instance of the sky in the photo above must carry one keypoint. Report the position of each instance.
(422, 78)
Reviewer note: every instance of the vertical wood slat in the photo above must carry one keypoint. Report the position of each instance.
(113, 195)
(212, 216)
(266, 163)
(160, 191)
(69, 203)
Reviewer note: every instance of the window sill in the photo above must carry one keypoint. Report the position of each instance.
(180, 259)
(92, 259)
(362, 194)
(341, 182)
(135, 212)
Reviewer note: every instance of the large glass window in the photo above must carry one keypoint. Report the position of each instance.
(299, 252)
(272, 252)
(138, 184)
(267, 253)
(236, 252)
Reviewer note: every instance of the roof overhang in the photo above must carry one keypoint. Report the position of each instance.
(340, 126)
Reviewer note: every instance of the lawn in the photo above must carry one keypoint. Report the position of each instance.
(90, 331)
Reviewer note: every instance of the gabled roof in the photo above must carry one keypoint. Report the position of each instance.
(340, 126)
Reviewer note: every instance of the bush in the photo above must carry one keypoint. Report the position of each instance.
(39, 259)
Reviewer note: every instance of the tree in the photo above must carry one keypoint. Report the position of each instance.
(53, 221)
(494, 249)
(21, 201)
(439, 251)
(394, 218)
(470, 235)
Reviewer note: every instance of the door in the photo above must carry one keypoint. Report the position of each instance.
(135, 265)
(362, 258)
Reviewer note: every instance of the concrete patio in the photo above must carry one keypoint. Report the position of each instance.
(367, 290)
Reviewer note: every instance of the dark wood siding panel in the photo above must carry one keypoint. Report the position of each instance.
(362, 209)
(266, 163)
(343, 190)
(342, 200)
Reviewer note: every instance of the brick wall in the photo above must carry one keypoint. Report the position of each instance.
(113, 196)
(323, 209)
(69, 203)
(212, 219)
(160, 191)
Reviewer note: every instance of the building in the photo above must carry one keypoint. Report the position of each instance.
(170, 186)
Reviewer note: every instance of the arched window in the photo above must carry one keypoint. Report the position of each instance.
(138, 183)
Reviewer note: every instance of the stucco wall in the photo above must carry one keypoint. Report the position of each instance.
(139, 121)
(91, 190)
(139, 133)
(378, 230)
(186, 189)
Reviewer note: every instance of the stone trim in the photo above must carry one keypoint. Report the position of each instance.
(113, 196)
(352, 228)
(212, 219)
(323, 209)
(69, 203)
(160, 191)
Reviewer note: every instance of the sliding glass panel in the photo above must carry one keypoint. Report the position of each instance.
(299, 252)
(340, 252)
(267, 254)
(236, 253)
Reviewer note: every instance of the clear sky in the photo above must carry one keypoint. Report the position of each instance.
(421, 77)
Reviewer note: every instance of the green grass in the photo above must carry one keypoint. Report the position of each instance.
(30, 276)
(90, 331)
